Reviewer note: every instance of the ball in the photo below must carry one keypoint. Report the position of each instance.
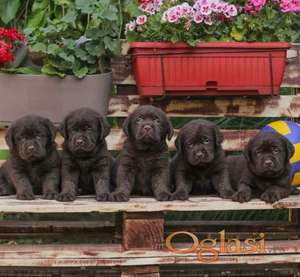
(291, 130)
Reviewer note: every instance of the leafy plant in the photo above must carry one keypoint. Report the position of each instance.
(192, 21)
(74, 37)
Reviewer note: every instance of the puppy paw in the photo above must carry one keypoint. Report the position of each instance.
(66, 197)
(102, 196)
(179, 195)
(25, 195)
(49, 195)
(226, 193)
(163, 196)
(119, 197)
(242, 196)
(271, 197)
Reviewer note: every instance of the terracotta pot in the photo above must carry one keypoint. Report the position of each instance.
(211, 68)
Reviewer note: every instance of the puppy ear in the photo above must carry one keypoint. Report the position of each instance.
(247, 151)
(105, 127)
(170, 130)
(126, 125)
(178, 143)
(51, 128)
(9, 137)
(63, 128)
(218, 136)
(290, 149)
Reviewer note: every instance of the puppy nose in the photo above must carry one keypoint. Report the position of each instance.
(199, 154)
(268, 163)
(79, 141)
(147, 128)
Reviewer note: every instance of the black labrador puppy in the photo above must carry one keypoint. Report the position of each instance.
(264, 170)
(199, 166)
(86, 162)
(142, 166)
(34, 164)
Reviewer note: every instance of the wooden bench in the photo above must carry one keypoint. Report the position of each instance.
(129, 238)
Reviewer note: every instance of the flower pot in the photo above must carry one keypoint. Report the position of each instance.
(211, 68)
(52, 97)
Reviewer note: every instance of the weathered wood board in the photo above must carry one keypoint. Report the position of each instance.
(113, 255)
(282, 106)
(85, 204)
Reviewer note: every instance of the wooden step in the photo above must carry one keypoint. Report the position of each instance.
(278, 252)
(86, 204)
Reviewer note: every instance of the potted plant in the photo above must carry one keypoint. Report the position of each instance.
(68, 59)
(210, 47)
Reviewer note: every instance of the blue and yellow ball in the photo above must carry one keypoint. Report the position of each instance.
(291, 130)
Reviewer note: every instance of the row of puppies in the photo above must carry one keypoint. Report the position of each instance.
(142, 168)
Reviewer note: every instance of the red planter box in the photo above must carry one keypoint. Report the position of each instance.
(211, 68)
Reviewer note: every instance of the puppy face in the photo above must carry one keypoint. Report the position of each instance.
(148, 125)
(83, 130)
(199, 141)
(31, 137)
(269, 154)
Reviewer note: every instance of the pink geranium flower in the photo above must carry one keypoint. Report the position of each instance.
(141, 20)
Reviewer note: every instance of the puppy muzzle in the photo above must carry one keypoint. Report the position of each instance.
(82, 143)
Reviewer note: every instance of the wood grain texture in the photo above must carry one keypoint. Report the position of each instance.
(9, 204)
(143, 230)
(140, 271)
(276, 252)
(282, 106)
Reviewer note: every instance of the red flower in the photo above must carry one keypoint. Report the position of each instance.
(8, 38)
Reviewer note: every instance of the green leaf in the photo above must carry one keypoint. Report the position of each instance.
(36, 19)
(66, 57)
(81, 54)
(236, 34)
(39, 47)
(86, 6)
(70, 16)
(80, 72)
(40, 5)
(95, 49)
(50, 70)
(23, 70)
(9, 9)
(53, 49)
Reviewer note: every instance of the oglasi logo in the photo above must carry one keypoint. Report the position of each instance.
(207, 249)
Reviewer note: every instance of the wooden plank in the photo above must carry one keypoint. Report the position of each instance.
(276, 252)
(142, 271)
(143, 230)
(235, 140)
(93, 229)
(282, 106)
(9, 204)
(292, 69)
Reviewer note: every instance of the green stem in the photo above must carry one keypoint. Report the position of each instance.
(121, 19)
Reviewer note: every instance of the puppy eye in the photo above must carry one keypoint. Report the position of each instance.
(205, 140)
(38, 137)
(139, 120)
(275, 150)
(190, 145)
(87, 127)
(258, 152)
(156, 120)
